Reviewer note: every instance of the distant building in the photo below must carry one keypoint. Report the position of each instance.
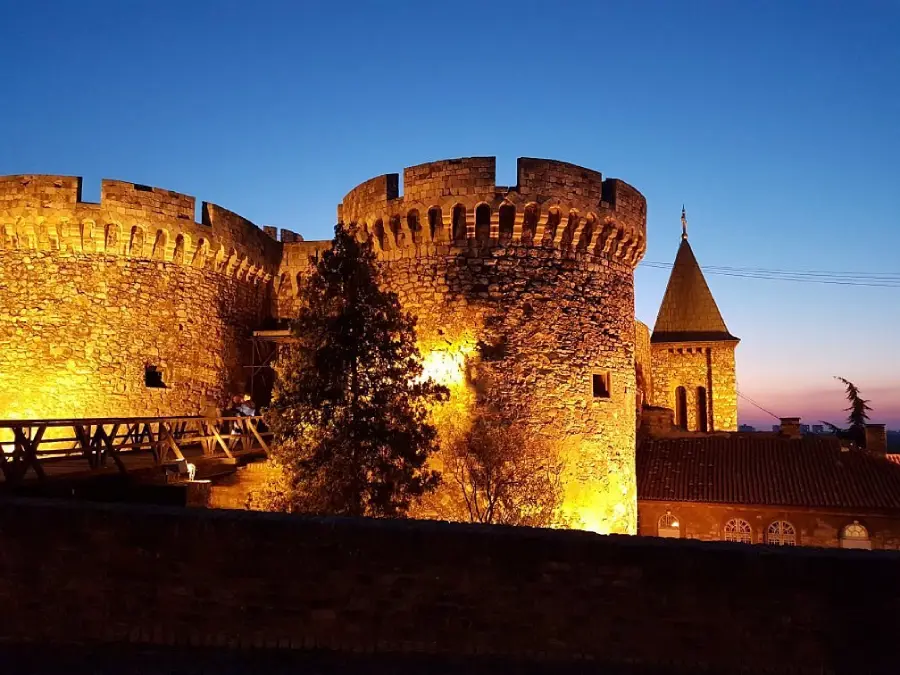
(804, 428)
(818, 428)
(776, 428)
(746, 427)
(785, 488)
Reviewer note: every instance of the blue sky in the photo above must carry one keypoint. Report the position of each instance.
(776, 123)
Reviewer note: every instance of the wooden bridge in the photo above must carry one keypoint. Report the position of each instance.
(38, 450)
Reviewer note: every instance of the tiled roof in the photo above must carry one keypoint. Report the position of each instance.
(765, 469)
(688, 312)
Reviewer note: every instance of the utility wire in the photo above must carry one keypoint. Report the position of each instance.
(754, 403)
(866, 279)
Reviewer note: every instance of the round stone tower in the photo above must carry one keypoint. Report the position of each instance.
(525, 294)
(127, 307)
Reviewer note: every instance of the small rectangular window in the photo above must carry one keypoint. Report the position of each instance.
(600, 385)
(153, 377)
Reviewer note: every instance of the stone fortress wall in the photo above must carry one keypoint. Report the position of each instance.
(524, 294)
(93, 294)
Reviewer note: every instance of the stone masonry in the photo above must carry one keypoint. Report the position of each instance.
(94, 295)
(524, 295)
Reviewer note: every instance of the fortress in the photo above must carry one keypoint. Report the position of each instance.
(524, 294)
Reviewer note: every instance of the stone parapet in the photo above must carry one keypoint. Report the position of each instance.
(46, 213)
(454, 204)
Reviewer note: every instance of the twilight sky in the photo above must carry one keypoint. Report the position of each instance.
(776, 123)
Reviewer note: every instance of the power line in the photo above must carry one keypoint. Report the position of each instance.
(754, 403)
(865, 279)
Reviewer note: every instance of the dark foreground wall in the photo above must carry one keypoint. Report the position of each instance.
(75, 572)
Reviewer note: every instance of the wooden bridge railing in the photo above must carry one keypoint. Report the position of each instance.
(28, 444)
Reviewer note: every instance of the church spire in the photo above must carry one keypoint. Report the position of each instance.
(688, 312)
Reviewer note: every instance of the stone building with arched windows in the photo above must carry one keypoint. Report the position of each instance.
(777, 488)
(698, 478)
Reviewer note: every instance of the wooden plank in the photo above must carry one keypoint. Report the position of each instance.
(29, 455)
(265, 446)
(112, 449)
(220, 441)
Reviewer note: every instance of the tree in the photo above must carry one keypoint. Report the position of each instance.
(350, 406)
(504, 473)
(857, 417)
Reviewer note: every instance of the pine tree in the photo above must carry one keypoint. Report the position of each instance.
(350, 407)
(857, 417)
(858, 412)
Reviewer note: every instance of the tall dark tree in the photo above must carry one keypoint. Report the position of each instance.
(350, 407)
(858, 415)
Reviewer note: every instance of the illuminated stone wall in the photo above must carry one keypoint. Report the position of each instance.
(523, 294)
(92, 294)
(691, 365)
(642, 363)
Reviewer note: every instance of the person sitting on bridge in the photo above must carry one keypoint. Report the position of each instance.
(247, 408)
(233, 410)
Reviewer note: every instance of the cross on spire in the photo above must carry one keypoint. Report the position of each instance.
(683, 223)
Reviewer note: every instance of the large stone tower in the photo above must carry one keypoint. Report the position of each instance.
(527, 293)
(692, 350)
(126, 307)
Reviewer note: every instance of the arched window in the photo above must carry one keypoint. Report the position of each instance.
(397, 231)
(436, 223)
(738, 529)
(668, 526)
(136, 245)
(178, 256)
(781, 533)
(378, 231)
(412, 222)
(569, 232)
(112, 236)
(507, 221)
(702, 412)
(159, 246)
(459, 223)
(585, 239)
(855, 535)
(483, 223)
(200, 253)
(681, 408)
(550, 228)
(529, 224)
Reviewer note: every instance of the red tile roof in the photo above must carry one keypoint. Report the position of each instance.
(765, 469)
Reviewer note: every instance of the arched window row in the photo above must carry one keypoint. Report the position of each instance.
(164, 243)
(554, 229)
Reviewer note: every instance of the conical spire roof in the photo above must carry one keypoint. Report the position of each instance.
(688, 312)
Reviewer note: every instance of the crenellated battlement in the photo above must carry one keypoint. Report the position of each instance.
(456, 203)
(42, 212)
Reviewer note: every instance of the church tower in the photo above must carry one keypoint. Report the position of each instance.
(692, 352)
